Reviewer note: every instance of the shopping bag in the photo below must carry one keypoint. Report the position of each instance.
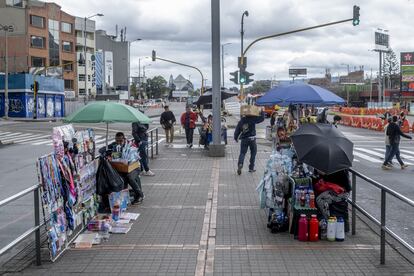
(107, 178)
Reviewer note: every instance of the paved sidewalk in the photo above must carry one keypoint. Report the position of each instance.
(200, 218)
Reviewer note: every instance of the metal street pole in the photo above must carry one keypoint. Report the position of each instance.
(380, 90)
(6, 77)
(245, 13)
(216, 94)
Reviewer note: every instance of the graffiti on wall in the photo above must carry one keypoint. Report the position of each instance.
(50, 109)
(16, 106)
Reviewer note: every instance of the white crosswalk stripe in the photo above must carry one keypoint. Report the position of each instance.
(17, 137)
(26, 138)
(366, 157)
(10, 134)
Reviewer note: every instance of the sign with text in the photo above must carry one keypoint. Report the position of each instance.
(180, 94)
(407, 71)
(297, 71)
(382, 40)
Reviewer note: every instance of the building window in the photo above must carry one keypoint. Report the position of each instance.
(67, 65)
(67, 46)
(66, 27)
(81, 91)
(38, 62)
(37, 42)
(68, 84)
(15, 3)
(81, 77)
(37, 21)
(54, 42)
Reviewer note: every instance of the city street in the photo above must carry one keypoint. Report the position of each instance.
(32, 140)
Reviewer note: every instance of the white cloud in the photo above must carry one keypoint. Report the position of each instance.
(180, 30)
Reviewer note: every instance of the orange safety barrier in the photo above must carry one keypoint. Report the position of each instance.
(412, 127)
(357, 122)
(405, 126)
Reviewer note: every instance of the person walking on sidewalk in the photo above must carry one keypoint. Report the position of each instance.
(139, 132)
(167, 121)
(387, 141)
(188, 121)
(246, 132)
(394, 132)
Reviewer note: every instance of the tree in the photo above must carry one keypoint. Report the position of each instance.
(391, 69)
(134, 90)
(260, 86)
(156, 87)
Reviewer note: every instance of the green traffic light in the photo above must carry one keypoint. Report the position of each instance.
(242, 80)
(355, 22)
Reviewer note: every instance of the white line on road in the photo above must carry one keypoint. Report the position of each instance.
(401, 154)
(30, 138)
(11, 134)
(366, 157)
(40, 143)
(17, 137)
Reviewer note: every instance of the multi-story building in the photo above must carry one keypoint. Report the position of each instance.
(43, 35)
(90, 76)
(115, 62)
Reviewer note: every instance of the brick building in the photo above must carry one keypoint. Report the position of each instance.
(43, 35)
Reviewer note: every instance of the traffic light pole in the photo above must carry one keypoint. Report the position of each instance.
(186, 65)
(287, 33)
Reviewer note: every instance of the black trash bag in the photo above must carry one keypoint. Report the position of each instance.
(107, 178)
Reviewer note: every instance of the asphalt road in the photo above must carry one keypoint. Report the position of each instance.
(18, 170)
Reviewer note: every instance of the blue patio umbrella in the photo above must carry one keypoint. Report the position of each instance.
(300, 94)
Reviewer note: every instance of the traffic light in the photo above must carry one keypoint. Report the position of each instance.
(355, 18)
(35, 87)
(154, 55)
(235, 76)
(247, 76)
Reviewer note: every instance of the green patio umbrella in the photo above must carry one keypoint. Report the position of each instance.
(107, 112)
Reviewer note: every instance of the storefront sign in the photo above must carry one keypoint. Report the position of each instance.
(407, 71)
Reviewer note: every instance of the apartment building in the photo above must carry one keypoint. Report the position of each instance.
(43, 35)
(88, 46)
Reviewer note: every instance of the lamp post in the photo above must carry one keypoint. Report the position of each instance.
(6, 29)
(245, 13)
(222, 61)
(84, 53)
(139, 67)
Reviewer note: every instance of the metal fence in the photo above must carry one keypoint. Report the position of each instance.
(153, 143)
(382, 222)
(33, 230)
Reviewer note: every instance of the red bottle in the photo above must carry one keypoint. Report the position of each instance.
(313, 228)
(303, 228)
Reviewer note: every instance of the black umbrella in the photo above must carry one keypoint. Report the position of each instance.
(323, 147)
(206, 98)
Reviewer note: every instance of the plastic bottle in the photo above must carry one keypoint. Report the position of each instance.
(331, 228)
(303, 228)
(311, 199)
(323, 229)
(116, 209)
(307, 200)
(302, 198)
(340, 230)
(297, 197)
(313, 228)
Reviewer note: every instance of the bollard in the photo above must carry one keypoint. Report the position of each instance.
(156, 141)
(152, 144)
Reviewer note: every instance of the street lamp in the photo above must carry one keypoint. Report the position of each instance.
(6, 29)
(129, 65)
(245, 13)
(222, 61)
(84, 53)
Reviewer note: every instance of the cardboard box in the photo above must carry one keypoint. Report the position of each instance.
(124, 167)
(250, 110)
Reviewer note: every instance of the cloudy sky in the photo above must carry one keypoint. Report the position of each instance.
(181, 30)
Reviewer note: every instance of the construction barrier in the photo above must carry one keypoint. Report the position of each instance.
(372, 123)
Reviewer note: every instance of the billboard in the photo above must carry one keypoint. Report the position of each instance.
(382, 40)
(109, 69)
(297, 72)
(407, 71)
(180, 94)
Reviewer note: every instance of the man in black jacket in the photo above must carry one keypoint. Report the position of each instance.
(167, 121)
(139, 132)
(246, 132)
(394, 132)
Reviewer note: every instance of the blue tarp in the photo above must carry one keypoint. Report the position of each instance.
(300, 94)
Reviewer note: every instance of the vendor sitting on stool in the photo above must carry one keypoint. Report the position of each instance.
(132, 178)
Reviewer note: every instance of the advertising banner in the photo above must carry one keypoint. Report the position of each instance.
(407, 71)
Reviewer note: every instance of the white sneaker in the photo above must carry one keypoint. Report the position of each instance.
(149, 173)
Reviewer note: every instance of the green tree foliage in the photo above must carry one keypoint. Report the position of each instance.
(156, 87)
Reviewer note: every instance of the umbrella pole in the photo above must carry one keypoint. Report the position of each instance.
(107, 126)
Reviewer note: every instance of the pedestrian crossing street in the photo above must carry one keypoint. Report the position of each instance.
(367, 149)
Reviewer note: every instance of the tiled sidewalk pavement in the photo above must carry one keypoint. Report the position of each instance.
(200, 218)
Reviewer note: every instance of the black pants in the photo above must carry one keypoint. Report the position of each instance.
(134, 181)
(189, 132)
(245, 144)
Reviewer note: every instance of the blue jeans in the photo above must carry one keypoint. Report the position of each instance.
(244, 145)
(387, 151)
(143, 154)
(394, 151)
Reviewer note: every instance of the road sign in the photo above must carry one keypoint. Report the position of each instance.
(382, 40)
(297, 71)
